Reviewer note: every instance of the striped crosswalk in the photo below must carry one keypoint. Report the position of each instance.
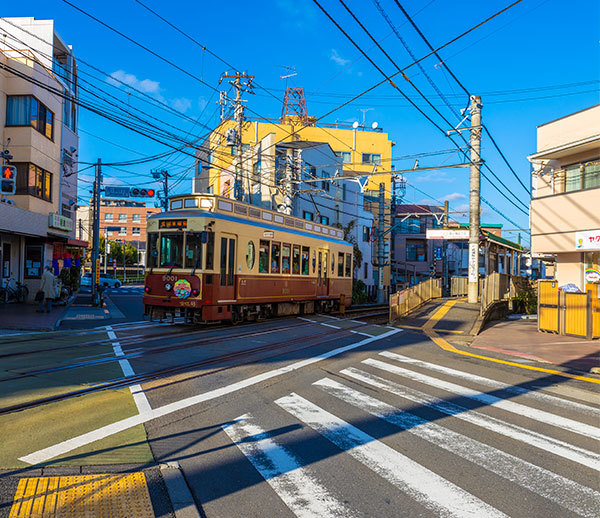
(526, 447)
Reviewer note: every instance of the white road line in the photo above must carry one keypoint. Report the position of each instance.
(518, 433)
(560, 490)
(307, 320)
(440, 496)
(294, 484)
(330, 325)
(564, 403)
(111, 429)
(490, 400)
(141, 401)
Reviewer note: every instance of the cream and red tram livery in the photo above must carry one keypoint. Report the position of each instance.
(212, 258)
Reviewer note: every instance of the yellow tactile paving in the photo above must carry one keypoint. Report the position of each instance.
(83, 496)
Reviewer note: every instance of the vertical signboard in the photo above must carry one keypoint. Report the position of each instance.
(473, 262)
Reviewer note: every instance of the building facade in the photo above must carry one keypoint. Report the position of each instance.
(39, 129)
(565, 220)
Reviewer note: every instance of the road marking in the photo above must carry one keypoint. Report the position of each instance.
(294, 484)
(61, 448)
(564, 403)
(440, 496)
(577, 498)
(440, 342)
(490, 400)
(515, 432)
(141, 401)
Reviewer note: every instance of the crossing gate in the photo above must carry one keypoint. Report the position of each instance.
(573, 314)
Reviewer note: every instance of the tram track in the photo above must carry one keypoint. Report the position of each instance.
(125, 381)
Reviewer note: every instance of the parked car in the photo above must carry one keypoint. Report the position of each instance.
(105, 280)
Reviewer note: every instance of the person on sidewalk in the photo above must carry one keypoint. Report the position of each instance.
(49, 290)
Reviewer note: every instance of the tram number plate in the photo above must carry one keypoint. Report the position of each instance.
(188, 303)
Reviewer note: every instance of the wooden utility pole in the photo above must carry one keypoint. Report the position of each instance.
(475, 203)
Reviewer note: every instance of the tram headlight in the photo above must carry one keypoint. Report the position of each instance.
(168, 286)
(195, 293)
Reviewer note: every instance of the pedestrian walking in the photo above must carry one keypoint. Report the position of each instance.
(49, 290)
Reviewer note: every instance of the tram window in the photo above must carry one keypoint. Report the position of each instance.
(325, 264)
(210, 250)
(314, 262)
(231, 267)
(285, 258)
(193, 250)
(152, 250)
(305, 260)
(275, 257)
(340, 264)
(296, 260)
(320, 264)
(223, 261)
(171, 250)
(250, 255)
(348, 265)
(263, 257)
(332, 263)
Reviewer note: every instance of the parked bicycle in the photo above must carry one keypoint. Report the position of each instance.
(17, 293)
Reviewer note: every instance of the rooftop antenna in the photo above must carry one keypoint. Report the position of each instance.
(290, 72)
(364, 111)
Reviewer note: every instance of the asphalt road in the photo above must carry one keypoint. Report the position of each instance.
(337, 418)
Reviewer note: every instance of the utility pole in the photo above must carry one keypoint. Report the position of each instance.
(475, 204)
(445, 253)
(163, 176)
(241, 82)
(96, 230)
(380, 244)
(286, 184)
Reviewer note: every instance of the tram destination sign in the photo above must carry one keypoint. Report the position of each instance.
(172, 223)
(447, 233)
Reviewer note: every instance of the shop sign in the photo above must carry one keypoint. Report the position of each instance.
(60, 222)
(592, 275)
(587, 240)
(444, 233)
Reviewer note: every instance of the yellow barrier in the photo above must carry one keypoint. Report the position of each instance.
(403, 302)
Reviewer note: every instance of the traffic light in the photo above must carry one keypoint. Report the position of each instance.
(8, 180)
(142, 193)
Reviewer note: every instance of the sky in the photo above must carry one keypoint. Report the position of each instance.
(538, 61)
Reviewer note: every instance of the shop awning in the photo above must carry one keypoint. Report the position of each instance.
(77, 243)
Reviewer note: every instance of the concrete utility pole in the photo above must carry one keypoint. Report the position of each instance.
(287, 183)
(445, 252)
(475, 203)
(96, 230)
(380, 244)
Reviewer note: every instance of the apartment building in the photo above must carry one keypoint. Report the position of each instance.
(565, 220)
(39, 129)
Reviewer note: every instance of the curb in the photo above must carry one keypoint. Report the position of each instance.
(67, 306)
(181, 497)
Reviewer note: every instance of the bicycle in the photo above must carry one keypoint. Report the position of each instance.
(18, 294)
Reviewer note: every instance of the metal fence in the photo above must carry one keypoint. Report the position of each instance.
(495, 288)
(459, 286)
(403, 302)
(573, 314)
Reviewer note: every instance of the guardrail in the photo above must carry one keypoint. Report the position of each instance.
(403, 302)
(458, 286)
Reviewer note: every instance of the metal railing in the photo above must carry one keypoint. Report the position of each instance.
(458, 286)
(403, 302)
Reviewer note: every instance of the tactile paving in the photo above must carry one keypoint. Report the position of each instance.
(86, 496)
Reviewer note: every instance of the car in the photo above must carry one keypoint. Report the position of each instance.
(105, 280)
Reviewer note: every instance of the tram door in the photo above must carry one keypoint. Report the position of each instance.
(322, 284)
(227, 266)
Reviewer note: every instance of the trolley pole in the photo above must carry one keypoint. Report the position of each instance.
(380, 244)
(96, 230)
(475, 203)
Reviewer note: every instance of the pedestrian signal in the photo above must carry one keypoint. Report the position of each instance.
(142, 193)
(8, 180)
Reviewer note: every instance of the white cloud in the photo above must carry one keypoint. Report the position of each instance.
(464, 208)
(145, 85)
(435, 177)
(336, 58)
(181, 104)
(455, 196)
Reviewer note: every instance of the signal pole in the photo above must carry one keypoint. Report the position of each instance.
(475, 203)
(96, 230)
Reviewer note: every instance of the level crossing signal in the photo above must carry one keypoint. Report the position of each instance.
(8, 180)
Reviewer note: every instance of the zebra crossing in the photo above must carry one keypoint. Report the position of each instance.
(527, 447)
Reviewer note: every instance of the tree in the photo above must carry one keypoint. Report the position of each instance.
(116, 251)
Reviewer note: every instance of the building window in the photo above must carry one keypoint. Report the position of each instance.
(136, 231)
(325, 184)
(33, 261)
(40, 182)
(26, 110)
(366, 234)
(410, 226)
(371, 158)
(577, 176)
(346, 156)
(136, 218)
(123, 231)
(108, 216)
(307, 215)
(324, 220)
(416, 251)
(123, 218)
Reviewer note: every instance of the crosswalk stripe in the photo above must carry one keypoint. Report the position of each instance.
(564, 403)
(560, 490)
(490, 400)
(294, 484)
(532, 438)
(440, 496)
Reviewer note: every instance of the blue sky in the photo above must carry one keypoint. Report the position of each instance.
(521, 63)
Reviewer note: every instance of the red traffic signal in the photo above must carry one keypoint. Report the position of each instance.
(8, 179)
(141, 193)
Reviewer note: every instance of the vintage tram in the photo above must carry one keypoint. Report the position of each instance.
(212, 258)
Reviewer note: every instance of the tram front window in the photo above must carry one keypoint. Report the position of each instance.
(193, 250)
(171, 250)
(152, 257)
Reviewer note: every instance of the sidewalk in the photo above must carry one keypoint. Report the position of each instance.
(521, 338)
